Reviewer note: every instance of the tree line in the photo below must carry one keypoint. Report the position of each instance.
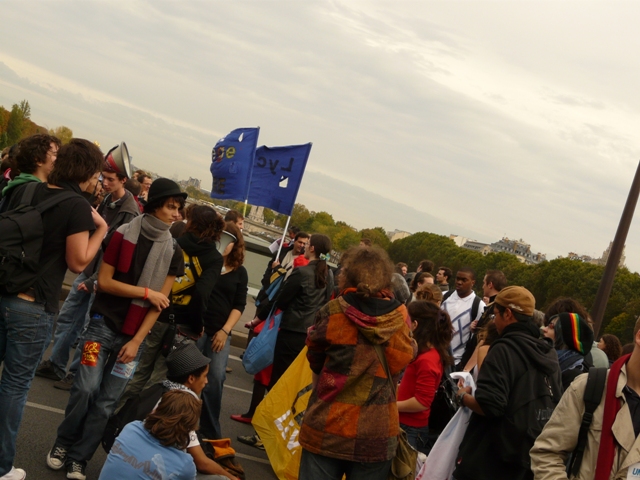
(16, 124)
(547, 281)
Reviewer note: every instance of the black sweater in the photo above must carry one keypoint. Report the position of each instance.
(229, 293)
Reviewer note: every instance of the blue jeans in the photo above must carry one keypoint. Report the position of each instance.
(73, 316)
(314, 466)
(212, 393)
(25, 332)
(418, 438)
(95, 392)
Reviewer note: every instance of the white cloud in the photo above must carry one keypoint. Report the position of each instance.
(494, 117)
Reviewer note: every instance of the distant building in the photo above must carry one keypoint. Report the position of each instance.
(458, 240)
(598, 261)
(256, 214)
(520, 249)
(483, 248)
(193, 182)
(398, 235)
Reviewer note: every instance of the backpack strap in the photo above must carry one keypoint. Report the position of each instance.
(53, 201)
(596, 381)
(383, 361)
(27, 195)
(447, 295)
(475, 307)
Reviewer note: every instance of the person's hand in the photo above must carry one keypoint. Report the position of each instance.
(128, 351)
(83, 288)
(465, 390)
(474, 325)
(218, 341)
(98, 220)
(275, 264)
(158, 299)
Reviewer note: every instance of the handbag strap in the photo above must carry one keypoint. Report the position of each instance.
(383, 361)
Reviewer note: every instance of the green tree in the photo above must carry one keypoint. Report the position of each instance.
(16, 125)
(377, 235)
(65, 134)
(269, 216)
(300, 216)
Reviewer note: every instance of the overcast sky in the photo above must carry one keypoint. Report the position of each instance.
(478, 118)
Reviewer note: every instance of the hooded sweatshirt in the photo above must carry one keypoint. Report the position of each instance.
(8, 190)
(480, 455)
(352, 413)
(208, 262)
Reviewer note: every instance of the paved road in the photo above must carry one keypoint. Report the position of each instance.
(45, 410)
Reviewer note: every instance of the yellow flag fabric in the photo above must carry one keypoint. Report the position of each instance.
(278, 417)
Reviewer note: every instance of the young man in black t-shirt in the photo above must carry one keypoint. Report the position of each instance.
(134, 281)
(26, 318)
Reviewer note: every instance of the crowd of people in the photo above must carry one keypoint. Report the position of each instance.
(161, 285)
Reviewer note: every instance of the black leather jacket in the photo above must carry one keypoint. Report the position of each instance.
(300, 299)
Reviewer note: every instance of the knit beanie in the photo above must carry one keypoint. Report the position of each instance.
(574, 332)
(185, 360)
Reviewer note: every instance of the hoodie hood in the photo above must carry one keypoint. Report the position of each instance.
(376, 318)
(20, 180)
(539, 353)
(189, 243)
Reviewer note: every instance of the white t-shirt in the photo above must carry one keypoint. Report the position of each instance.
(459, 309)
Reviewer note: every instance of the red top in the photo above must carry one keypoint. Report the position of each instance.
(421, 380)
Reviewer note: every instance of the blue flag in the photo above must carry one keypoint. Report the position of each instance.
(231, 162)
(276, 178)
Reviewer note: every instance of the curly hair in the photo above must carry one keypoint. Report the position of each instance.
(368, 270)
(33, 150)
(434, 329)
(235, 258)
(77, 162)
(205, 223)
(612, 347)
(564, 305)
(175, 418)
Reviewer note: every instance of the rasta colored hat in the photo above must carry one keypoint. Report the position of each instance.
(517, 299)
(574, 331)
(164, 188)
(185, 360)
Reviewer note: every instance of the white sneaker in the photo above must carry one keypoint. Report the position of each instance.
(14, 474)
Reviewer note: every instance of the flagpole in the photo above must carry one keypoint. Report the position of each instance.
(286, 228)
(244, 212)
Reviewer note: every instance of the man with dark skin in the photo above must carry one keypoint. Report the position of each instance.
(459, 306)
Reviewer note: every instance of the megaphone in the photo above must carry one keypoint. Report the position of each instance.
(117, 160)
(225, 239)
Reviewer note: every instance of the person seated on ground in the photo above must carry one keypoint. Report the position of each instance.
(189, 296)
(187, 371)
(157, 445)
(572, 338)
(610, 344)
(136, 275)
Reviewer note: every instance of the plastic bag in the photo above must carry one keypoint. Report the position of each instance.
(441, 461)
(278, 418)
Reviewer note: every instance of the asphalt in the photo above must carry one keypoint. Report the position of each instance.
(45, 410)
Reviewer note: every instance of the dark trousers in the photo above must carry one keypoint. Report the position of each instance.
(288, 345)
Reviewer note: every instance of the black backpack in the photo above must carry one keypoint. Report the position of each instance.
(21, 240)
(444, 406)
(531, 403)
